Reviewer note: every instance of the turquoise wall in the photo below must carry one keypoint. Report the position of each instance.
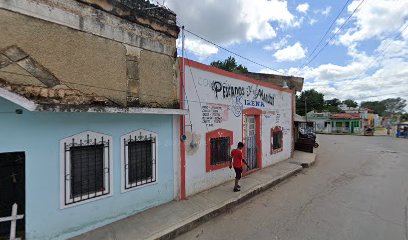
(38, 135)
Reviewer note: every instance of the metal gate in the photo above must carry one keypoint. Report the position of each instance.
(251, 148)
(12, 190)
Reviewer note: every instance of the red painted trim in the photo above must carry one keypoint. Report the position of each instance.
(257, 113)
(216, 134)
(215, 70)
(182, 144)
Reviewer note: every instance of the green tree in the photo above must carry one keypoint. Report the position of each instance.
(332, 105)
(313, 99)
(387, 106)
(394, 105)
(377, 106)
(230, 65)
(350, 103)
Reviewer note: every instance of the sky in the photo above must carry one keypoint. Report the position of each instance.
(365, 57)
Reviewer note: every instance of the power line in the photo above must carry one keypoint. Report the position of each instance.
(334, 35)
(118, 90)
(195, 87)
(328, 30)
(385, 49)
(236, 54)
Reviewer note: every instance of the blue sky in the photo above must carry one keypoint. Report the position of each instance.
(366, 60)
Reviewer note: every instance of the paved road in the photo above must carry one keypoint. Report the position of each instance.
(358, 189)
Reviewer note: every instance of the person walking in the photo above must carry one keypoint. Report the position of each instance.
(236, 161)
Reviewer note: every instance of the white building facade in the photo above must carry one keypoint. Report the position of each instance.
(224, 109)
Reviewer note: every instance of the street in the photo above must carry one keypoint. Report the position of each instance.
(357, 189)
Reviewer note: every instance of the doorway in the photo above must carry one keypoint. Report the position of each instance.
(251, 149)
(251, 137)
(12, 190)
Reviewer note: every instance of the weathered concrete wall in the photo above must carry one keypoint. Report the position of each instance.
(155, 85)
(72, 56)
(88, 47)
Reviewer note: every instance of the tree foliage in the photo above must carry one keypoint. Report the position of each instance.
(350, 103)
(394, 105)
(332, 105)
(387, 106)
(230, 65)
(313, 100)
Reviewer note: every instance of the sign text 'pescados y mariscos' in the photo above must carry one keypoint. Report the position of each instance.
(226, 90)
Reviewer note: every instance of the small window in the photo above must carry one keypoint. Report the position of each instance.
(220, 150)
(277, 140)
(86, 170)
(326, 124)
(139, 159)
(86, 165)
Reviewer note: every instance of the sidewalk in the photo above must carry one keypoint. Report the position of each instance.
(172, 219)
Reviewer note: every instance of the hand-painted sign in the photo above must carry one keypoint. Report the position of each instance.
(253, 96)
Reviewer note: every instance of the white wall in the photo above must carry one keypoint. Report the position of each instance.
(205, 90)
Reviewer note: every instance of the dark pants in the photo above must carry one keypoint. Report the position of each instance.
(238, 173)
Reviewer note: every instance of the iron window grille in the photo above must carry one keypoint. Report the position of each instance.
(86, 167)
(220, 150)
(139, 158)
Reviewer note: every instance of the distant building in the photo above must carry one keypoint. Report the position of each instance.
(322, 121)
(347, 123)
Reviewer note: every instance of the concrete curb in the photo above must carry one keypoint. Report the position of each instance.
(190, 224)
(305, 160)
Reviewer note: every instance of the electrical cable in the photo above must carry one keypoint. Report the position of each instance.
(328, 30)
(331, 38)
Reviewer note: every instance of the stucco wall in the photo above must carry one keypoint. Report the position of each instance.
(201, 94)
(38, 135)
(94, 64)
(157, 79)
(72, 56)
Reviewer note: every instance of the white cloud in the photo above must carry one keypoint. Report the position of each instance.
(375, 19)
(325, 11)
(303, 8)
(312, 21)
(198, 47)
(227, 22)
(277, 45)
(340, 21)
(365, 78)
(290, 53)
(230, 22)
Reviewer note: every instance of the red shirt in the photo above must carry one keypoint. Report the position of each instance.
(236, 155)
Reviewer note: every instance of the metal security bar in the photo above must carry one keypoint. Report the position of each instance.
(86, 166)
(220, 150)
(140, 161)
(251, 152)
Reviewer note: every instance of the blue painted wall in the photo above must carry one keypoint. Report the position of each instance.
(38, 135)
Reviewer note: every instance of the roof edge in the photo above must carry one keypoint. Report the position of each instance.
(32, 106)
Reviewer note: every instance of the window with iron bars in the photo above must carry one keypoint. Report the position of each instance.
(277, 140)
(220, 150)
(86, 167)
(139, 159)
